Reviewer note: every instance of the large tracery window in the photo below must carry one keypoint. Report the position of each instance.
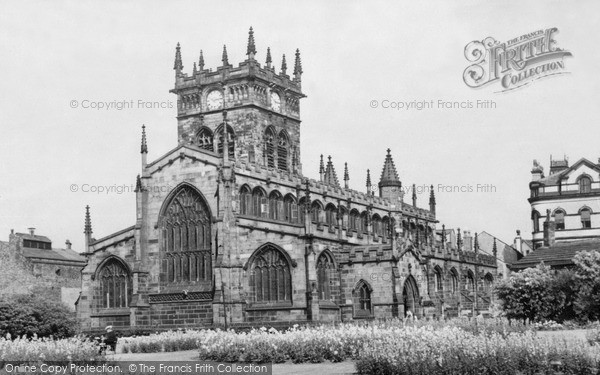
(325, 276)
(186, 238)
(115, 285)
(270, 276)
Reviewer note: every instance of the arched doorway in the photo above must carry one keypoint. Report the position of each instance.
(410, 296)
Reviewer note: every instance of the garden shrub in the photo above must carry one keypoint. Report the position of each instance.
(31, 315)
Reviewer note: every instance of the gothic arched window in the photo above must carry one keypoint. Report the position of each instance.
(325, 276)
(439, 283)
(270, 140)
(260, 206)
(376, 225)
(470, 285)
(454, 280)
(270, 276)
(353, 220)
(362, 299)
(186, 232)
(488, 281)
(330, 216)
(245, 201)
(290, 209)
(282, 151)
(115, 285)
(315, 212)
(230, 140)
(275, 206)
(204, 139)
(585, 185)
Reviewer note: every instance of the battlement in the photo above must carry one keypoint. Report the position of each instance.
(366, 254)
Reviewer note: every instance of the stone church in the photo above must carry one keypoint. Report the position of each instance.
(242, 237)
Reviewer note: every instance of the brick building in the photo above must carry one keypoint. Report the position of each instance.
(230, 231)
(57, 271)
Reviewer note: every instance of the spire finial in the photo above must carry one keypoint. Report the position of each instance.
(224, 59)
(283, 66)
(144, 149)
(201, 61)
(269, 60)
(431, 200)
(297, 66)
(195, 69)
(87, 228)
(321, 167)
(495, 248)
(368, 181)
(346, 176)
(476, 246)
(414, 195)
(251, 49)
(178, 66)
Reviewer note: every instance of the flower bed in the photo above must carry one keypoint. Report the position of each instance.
(170, 341)
(37, 350)
(454, 351)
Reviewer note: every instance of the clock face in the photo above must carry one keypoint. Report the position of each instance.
(275, 101)
(214, 100)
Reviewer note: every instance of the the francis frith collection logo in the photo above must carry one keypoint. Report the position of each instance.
(514, 63)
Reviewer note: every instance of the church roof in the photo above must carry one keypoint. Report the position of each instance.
(389, 175)
(559, 255)
(33, 237)
(68, 255)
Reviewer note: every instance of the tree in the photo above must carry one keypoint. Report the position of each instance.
(587, 273)
(529, 294)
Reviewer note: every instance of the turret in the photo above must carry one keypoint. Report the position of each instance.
(390, 186)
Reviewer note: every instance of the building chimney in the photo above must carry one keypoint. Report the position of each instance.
(31, 231)
(518, 244)
(68, 243)
(549, 231)
(467, 240)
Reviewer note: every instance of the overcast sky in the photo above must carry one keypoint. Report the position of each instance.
(352, 54)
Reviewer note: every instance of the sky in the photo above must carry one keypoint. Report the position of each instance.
(59, 57)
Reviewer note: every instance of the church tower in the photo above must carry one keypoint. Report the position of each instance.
(256, 106)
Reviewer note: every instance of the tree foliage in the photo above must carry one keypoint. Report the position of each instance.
(35, 315)
(587, 272)
(540, 293)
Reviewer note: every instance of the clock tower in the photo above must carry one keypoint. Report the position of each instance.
(256, 106)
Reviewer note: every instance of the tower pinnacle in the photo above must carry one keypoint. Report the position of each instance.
(346, 176)
(321, 169)
(431, 200)
(178, 66)
(251, 49)
(369, 182)
(144, 148)
(269, 60)
(201, 61)
(297, 66)
(224, 59)
(283, 66)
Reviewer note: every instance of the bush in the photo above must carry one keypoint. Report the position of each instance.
(24, 315)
